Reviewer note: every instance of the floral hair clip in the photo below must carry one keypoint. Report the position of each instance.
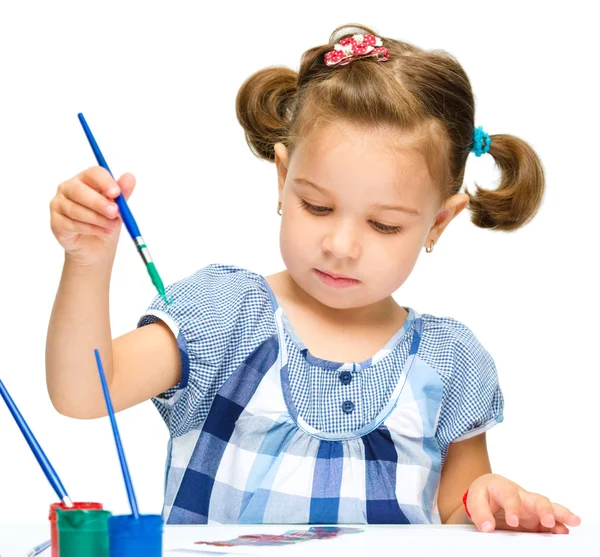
(357, 46)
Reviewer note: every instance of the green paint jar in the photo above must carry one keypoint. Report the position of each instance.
(83, 532)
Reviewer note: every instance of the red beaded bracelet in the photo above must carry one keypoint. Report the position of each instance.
(465, 503)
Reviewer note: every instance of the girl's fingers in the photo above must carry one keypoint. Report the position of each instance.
(127, 184)
(64, 224)
(479, 506)
(505, 495)
(83, 194)
(100, 180)
(562, 514)
(79, 213)
(485, 500)
(541, 506)
(560, 528)
(522, 510)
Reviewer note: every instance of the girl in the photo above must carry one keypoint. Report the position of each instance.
(311, 396)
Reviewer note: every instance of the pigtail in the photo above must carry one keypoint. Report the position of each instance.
(263, 107)
(518, 197)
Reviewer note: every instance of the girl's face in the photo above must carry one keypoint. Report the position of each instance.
(369, 212)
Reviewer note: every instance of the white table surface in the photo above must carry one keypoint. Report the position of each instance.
(393, 540)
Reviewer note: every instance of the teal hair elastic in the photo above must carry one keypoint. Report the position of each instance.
(481, 142)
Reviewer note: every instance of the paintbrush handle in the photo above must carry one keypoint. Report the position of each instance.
(126, 215)
(120, 451)
(34, 445)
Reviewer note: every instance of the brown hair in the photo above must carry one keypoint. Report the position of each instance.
(424, 93)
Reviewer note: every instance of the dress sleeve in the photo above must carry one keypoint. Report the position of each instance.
(218, 315)
(472, 401)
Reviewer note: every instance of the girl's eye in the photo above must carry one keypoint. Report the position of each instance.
(386, 229)
(383, 228)
(314, 208)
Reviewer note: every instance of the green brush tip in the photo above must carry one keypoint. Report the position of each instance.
(158, 283)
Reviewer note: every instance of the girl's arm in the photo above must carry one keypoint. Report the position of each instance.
(466, 461)
(138, 365)
(141, 364)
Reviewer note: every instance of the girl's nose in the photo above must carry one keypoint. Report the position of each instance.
(343, 241)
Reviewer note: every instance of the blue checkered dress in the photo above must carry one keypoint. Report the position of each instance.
(262, 431)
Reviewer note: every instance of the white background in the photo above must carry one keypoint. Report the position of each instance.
(157, 83)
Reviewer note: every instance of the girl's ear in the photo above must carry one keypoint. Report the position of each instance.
(449, 210)
(281, 155)
(281, 162)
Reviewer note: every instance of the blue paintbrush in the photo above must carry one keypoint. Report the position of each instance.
(122, 460)
(126, 215)
(35, 448)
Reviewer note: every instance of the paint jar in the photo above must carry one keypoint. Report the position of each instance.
(52, 518)
(130, 536)
(82, 532)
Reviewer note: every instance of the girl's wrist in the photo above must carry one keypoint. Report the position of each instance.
(74, 266)
(464, 500)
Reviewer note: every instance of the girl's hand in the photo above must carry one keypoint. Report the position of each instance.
(84, 217)
(496, 502)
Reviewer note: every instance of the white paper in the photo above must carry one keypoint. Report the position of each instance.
(393, 540)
